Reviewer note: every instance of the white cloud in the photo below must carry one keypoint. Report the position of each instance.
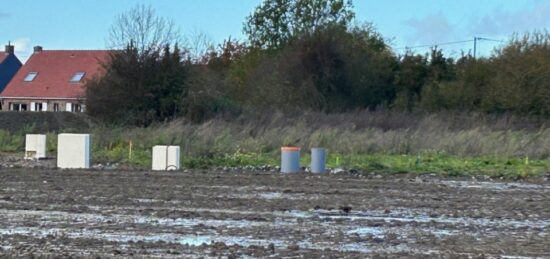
(429, 29)
(23, 48)
(504, 23)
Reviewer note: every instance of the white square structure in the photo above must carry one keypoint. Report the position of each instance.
(35, 146)
(73, 151)
(166, 158)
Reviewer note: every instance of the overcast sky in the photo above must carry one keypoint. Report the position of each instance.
(84, 24)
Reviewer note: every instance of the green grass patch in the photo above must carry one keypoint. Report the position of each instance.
(442, 164)
(378, 163)
(236, 159)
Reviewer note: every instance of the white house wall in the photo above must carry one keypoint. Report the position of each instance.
(47, 104)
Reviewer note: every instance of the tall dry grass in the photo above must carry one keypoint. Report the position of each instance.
(464, 134)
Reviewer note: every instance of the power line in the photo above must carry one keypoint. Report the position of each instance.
(476, 39)
(448, 43)
(436, 44)
(486, 39)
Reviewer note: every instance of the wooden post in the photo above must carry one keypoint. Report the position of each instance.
(130, 151)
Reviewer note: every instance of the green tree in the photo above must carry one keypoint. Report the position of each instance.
(441, 71)
(468, 90)
(440, 67)
(206, 96)
(139, 88)
(332, 69)
(410, 77)
(521, 82)
(275, 22)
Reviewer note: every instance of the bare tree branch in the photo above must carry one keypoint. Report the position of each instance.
(200, 45)
(144, 29)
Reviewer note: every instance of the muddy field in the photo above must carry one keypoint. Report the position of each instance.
(248, 214)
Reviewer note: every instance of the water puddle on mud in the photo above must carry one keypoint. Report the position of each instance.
(410, 217)
(403, 215)
(366, 231)
(59, 216)
(190, 240)
(266, 196)
(498, 186)
(346, 226)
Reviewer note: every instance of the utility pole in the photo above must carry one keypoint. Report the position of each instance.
(475, 46)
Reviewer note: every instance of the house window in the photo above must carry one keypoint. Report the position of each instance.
(30, 76)
(18, 107)
(56, 107)
(77, 108)
(38, 107)
(77, 77)
(14, 107)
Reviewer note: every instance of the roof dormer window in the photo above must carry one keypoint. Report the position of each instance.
(30, 76)
(77, 77)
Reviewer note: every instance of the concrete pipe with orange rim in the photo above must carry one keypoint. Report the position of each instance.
(290, 159)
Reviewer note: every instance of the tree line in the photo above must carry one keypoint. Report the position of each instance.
(306, 55)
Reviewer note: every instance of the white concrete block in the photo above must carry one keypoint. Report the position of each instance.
(73, 151)
(166, 158)
(35, 146)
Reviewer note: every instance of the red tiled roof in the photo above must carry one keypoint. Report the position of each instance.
(3, 55)
(55, 69)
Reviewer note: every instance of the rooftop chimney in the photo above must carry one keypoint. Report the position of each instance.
(37, 49)
(10, 49)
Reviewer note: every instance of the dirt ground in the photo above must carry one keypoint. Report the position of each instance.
(46, 212)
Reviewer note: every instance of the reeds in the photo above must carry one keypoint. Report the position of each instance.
(350, 133)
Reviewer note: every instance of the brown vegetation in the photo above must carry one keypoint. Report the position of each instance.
(465, 134)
